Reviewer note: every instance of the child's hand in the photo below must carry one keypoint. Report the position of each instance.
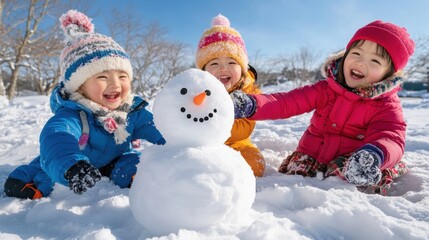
(244, 104)
(161, 142)
(82, 176)
(123, 173)
(363, 168)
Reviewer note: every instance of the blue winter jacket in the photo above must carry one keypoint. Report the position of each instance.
(59, 148)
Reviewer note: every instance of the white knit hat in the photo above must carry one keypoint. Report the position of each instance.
(87, 53)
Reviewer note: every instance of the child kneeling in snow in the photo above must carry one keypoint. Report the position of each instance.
(96, 117)
(357, 130)
(221, 52)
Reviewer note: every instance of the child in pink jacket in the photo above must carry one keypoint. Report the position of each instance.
(357, 130)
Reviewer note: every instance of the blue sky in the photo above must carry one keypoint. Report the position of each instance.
(274, 27)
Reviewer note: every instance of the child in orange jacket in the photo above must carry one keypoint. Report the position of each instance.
(222, 52)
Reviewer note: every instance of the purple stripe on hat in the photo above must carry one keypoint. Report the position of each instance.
(220, 36)
(89, 57)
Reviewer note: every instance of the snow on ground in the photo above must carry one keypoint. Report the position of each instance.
(286, 207)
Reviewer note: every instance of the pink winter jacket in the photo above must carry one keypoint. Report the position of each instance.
(342, 121)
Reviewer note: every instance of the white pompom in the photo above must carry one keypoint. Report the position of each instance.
(220, 20)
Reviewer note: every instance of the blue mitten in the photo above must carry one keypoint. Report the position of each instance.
(161, 142)
(363, 168)
(125, 169)
(244, 104)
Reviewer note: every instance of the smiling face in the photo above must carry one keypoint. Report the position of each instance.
(194, 109)
(226, 69)
(108, 88)
(364, 64)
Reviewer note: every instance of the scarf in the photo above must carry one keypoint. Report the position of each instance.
(371, 90)
(113, 121)
(378, 88)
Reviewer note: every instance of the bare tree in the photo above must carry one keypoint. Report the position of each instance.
(1, 10)
(418, 66)
(2, 88)
(36, 11)
(155, 60)
(420, 59)
(257, 62)
(3, 56)
(45, 74)
(299, 67)
(268, 71)
(30, 43)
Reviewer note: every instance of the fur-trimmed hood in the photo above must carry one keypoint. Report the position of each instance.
(331, 63)
(330, 70)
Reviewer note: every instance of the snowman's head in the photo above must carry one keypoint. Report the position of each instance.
(194, 109)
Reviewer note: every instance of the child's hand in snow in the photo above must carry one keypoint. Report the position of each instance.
(363, 168)
(82, 176)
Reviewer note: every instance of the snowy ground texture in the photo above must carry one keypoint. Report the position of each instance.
(286, 207)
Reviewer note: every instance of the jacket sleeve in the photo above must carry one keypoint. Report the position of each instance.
(59, 148)
(241, 129)
(386, 130)
(145, 127)
(287, 104)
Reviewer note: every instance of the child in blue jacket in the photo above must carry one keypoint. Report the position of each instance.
(95, 119)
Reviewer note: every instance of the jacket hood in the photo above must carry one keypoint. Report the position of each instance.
(393, 83)
(60, 99)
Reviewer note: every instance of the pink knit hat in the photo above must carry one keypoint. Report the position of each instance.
(221, 40)
(396, 40)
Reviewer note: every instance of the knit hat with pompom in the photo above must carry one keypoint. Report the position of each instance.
(396, 40)
(221, 40)
(87, 53)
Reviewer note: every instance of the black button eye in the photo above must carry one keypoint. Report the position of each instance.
(183, 91)
(208, 93)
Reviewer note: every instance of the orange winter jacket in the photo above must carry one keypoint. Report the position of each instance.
(243, 128)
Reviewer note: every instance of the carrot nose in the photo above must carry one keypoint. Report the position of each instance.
(199, 99)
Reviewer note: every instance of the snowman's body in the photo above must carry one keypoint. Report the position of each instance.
(194, 181)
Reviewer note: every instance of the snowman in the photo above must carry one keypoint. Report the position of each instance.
(194, 181)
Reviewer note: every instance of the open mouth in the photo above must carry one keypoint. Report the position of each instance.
(112, 96)
(199, 119)
(356, 74)
(224, 79)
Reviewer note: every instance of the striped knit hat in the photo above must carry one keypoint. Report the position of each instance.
(221, 40)
(87, 53)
